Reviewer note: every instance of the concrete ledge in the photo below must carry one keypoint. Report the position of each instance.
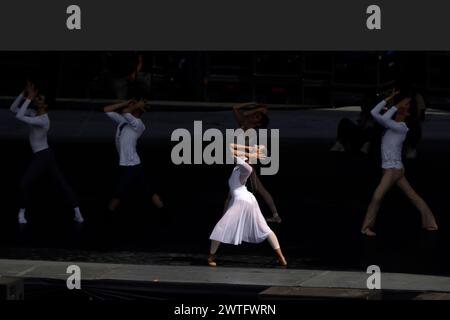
(286, 281)
(299, 293)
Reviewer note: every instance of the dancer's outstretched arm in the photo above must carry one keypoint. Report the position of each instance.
(257, 148)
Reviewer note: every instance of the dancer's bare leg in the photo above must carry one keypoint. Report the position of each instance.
(212, 253)
(267, 198)
(273, 240)
(428, 220)
(389, 178)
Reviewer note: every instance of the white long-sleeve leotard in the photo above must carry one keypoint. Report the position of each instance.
(129, 130)
(39, 125)
(393, 138)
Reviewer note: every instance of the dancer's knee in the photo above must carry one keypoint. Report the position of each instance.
(377, 198)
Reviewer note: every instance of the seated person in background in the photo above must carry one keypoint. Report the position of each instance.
(359, 136)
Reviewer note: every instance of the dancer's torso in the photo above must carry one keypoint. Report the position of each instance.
(38, 134)
(126, 141)
(237, 182)
(392, 145)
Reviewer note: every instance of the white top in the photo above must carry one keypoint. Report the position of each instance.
(129, 130)
(39, 125)
(393, 138)
(240, 174)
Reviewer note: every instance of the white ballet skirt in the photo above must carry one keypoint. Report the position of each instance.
(243, 220)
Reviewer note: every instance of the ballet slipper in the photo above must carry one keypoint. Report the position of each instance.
(368, 232)
(282, 262)
(275, 219)
(431, 228)
(211, 261)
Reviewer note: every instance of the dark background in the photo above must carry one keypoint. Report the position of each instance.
(321, 196)
(297, 78)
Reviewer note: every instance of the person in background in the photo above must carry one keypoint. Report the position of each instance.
(395, 122)
(130, 127)
(43, 160)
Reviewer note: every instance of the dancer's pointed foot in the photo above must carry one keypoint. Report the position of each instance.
(275, 218)
(78, 219)
(431, 228)
(368, 232)
(282, 262)
(21, 217)
(429, 223)
(22, 220)
(211, 261)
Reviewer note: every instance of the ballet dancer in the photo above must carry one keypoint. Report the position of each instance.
(43, 159)
(251, 115)
(243, 220)
(130, 127)
(393, 170)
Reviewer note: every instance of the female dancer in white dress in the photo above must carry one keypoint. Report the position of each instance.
(254, 116)
(243, 220)
(393, 170)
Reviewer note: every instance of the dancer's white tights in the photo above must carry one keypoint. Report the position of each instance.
(273, 240)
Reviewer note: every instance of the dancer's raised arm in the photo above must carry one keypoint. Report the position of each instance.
(23, 113)
(112, 111)
(21, 97)
(133, 121)
(17, 101)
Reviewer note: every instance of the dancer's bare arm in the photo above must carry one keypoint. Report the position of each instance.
(116, 107)
(112, 111)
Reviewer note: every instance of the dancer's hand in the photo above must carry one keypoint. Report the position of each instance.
(31, 92)
(27, 88)
(259, 148)
(393, 94)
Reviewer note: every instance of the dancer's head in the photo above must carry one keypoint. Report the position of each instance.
(403, 104)
(256, 116)
(137, 107)
(138, 102)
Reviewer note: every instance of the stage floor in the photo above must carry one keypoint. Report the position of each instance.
(259, 283)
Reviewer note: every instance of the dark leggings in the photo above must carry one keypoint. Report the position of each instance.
(132, 178)
(44, 162)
